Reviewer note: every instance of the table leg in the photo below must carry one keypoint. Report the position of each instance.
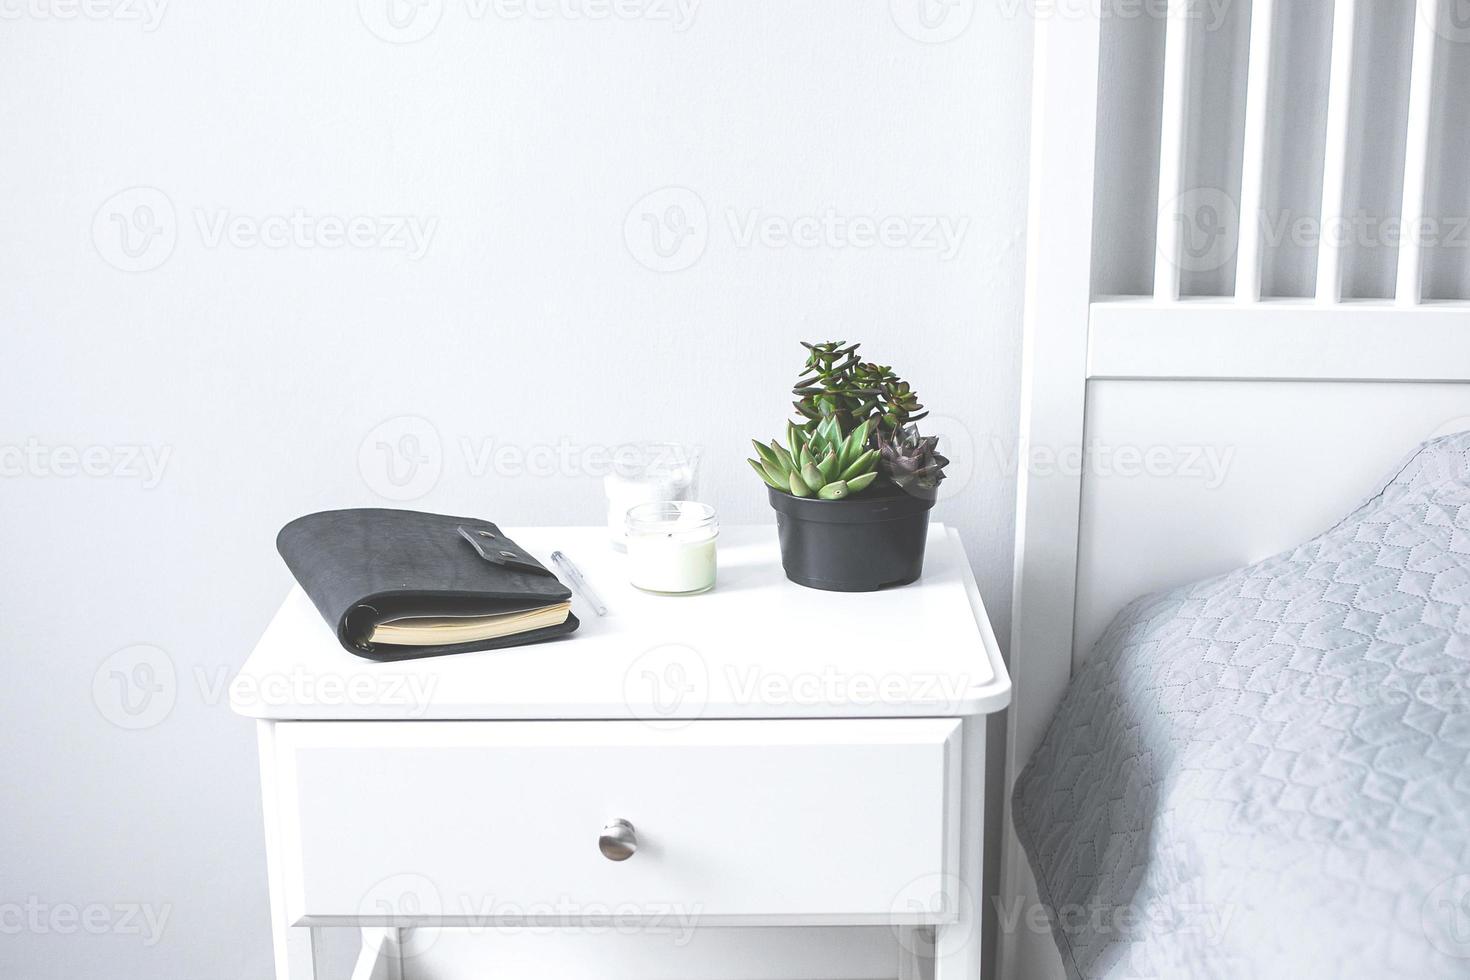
(957, 954)
(379, 959)
(295, 955)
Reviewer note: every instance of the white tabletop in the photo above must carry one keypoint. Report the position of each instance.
(757, 646)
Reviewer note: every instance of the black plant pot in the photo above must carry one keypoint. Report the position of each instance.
(861, 544)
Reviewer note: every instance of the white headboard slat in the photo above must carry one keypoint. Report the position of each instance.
(1255, 161)
(1339, 146)
(1416, 153)
(1167, 280)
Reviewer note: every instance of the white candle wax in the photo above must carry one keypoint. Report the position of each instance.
(671, 547)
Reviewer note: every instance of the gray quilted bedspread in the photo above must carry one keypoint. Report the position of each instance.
(1267, 774)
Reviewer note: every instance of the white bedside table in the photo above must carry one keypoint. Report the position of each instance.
(799, 777)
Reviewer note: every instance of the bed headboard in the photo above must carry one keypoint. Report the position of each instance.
(1229, 339)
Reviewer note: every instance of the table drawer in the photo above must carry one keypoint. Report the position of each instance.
(499, 823)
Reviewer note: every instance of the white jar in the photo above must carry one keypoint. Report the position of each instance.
(671, 547)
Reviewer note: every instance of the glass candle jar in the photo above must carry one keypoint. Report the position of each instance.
(646, 473)
(671, 547)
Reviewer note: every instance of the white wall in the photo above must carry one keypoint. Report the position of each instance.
(255, 376)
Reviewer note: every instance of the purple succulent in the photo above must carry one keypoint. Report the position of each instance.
(911, 461)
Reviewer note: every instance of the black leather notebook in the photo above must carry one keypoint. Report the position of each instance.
(399, 584)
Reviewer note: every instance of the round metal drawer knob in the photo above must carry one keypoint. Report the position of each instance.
(618, 841)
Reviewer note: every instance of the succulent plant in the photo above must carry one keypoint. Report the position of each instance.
(896, 403)
(837, 382)
(829, 386)
(912, 461)
(819, 462)
(856, 425)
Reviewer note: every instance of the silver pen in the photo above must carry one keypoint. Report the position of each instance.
(578, 583)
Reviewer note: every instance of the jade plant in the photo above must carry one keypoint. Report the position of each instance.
(837, 382)
(897, 403)
(830, 386)
(856, 431)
